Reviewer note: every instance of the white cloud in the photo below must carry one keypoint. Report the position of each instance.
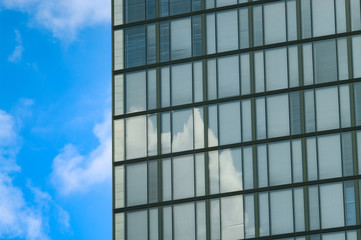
(63, 17)
(73, 172)
(17, 54)
(19, 217)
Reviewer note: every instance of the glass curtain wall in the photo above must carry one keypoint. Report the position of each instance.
(236, 119)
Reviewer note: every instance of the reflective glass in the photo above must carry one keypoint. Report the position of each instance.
(135, 46)
(165, 86)
(245, 74)
(181, 84)
(281, 212)
(213, 172)
(153, 181)
(291, 20)
(295, 112)
(249, 224)
(347, 154)
(229, 123)
(307, 64)
(167, 179)
(264, 227)
(323, 17)
(331, 201)
(327, 108)
(197, 35)
(183, 177)
(167, 223)
(198, 119)
(278, 116)
(212, 126)
(329, 156)
(198, 81)
(135, 137)
(306, 18)
(276, 69)
(221, 3)
(163, 8)
(342, 60)
(325, 62)
(152, 89)
(297, 161)
(293, 66)
(179, 6)
(341, 16)
(230, 163)
(350, 203)
(153, 224)
(259, 71)
(309, 111)
(358, 136)
(211, 33)
(246, 120)
(165, 132)
(182, 130)
(151, 44)
(274, 22)
(345, 107)
(257, 26)
(262, 166)
(215, 220)
(228, 76)
(312, 169)
(243, 28)
(136, 184)
(355, 15)
(248, 164)
(164, 41)
(279, 157)
(184, 221)
(134, 10)
(313, 207)
(299, 209)
(137, 225)
(357, 92)
(232, 218)
(227, 31)
(201, 221)
(200, 175)
(332, 236)
(181, 38)
(211, 79)
(136, 92)
(260, 118)
(356, 56)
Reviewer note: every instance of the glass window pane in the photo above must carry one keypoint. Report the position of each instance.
(332, 236)
(358, 136)
(249, 224)
(181, 84)
(257, 26)
(306, 18)
(164, 41)
(119, 186)
(227, 31)
(136, 91)
(297, 161)
(341, 16)
(331, 201)
(182, 130)
(355, 15)
(278, 123)
(228, 76)
(243, 28)
(263, 214)
(325, 63)
(179, 6)
(229, 123)
(166, 179)
(135, 137)
(118, 13)
(165, 86)
(118, 94)
(246, 120)
(211, 33)
(323, 17)
(262, 166)
(276, 69)
(350, 203)
(119, 226)
(307, 64)
(137, 225)
(197, 35)
(134, 10)
(329, 156)
(259, 71)
(351, 235)
(279, 157)
(136, 184)
(215, 220)
(313, 207)
(293, 66)
(198, 81)
(181, 38)
(221, 3)
(213, 172)
(295, 112)
(357, 91)
(299, 209)
(312, 169)
(152, 89)
(291, 20)
(245, 74)
(211, 79)
(184, 222)
(153, 224)
(118, 140)
(163, 8)
(260, 118)
(151, 44)
(135, 46)
(153, 181)
(183, 177)
(342, 60)
(198, 128)
(281, 212)
(165, 135)
(230, 163)
(200, 175)
(327, 109)
(167, 223)
(212, 126)
(309, 111)
(151, 9)
(347, 154)
(201, 221)
(356, 56)
(248, 164)
(232, 218)
(274, 22)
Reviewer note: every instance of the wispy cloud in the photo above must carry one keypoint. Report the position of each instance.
(17, 54)
(21, 217)
(73, 172)
(63, 18)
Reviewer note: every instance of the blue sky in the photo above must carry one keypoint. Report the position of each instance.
(55, 127)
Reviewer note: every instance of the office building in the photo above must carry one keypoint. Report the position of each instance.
(236, 119)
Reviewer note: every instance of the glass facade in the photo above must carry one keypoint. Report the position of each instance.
(236, 119)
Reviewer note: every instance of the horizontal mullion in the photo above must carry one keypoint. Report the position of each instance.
(189, 14)
(235, 193)
(235, 145)
(241, 97)
(238, 51)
